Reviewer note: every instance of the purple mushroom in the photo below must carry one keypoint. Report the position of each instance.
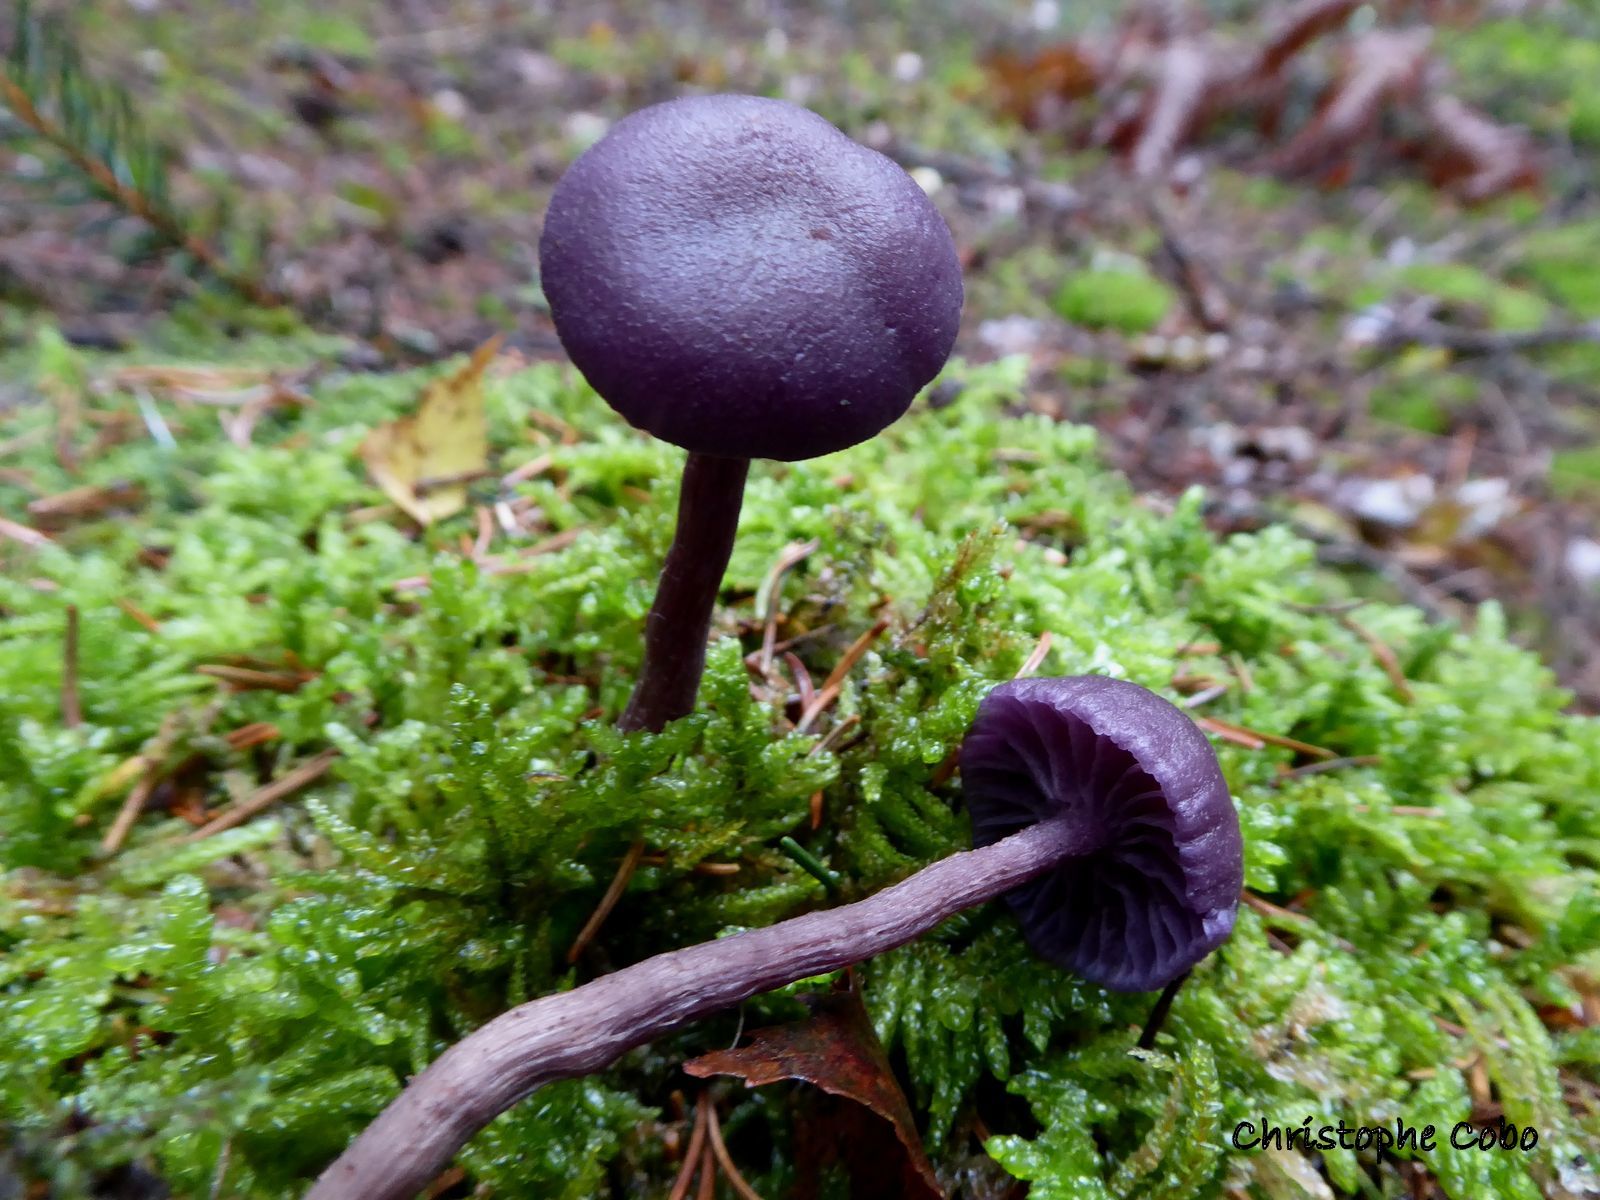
(1087, 793)
(1158, 890)
(737, 277)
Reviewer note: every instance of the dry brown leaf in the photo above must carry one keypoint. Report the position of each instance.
(837, 1050)
(446, 438)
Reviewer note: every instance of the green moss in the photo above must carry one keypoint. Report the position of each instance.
(1504, 306)
(1421, 393)
(1543, 68)
(1560, 260)
(228, 1013)
(1121, 295)
(1576, 472)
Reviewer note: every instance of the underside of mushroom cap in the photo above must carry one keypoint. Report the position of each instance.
(736, 276)
(1161, 889)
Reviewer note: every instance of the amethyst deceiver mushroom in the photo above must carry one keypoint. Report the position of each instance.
(1084, 791)
(1159, 888)
(737, 277)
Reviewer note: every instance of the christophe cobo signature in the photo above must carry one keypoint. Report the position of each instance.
(1464, 1135)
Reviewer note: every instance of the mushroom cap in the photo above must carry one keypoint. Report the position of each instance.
(736, 276)
(1160, 890)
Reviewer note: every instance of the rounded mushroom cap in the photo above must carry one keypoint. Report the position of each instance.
(738, 277)
(1161, 889)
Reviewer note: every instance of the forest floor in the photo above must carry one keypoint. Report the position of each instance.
(1407, 378)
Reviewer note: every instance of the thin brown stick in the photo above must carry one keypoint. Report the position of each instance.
(720, 1150)
(708, 1176)
(138, 614)
(1227, 729)
(1384, 653)
(840, 728)
(1279, 917)
(265, 797)
(71, 704)
(131, 199)
(1036, 659)
(691, 1156)
(130, 810)
(619, 884)
(791, 555)
(835, 681)
(1330, 764)
(251, 680)
(23, 534)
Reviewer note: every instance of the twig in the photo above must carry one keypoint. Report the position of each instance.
(71, 705)
(720, 1150)
(619, 884)
(265, 797)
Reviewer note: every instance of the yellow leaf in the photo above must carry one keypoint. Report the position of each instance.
(446, 438)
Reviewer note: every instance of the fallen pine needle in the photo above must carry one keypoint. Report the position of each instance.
(1330, 764)
(249, 679)
(1036, 659)
(23, 534)
(1286, 916)
(1384, 653)
(520, 564)
(130, 810)
(830, 687)
(833, 735)
(1403, 810)
(138, 614)
(265, 796)
(619, 884)
(1243, 736)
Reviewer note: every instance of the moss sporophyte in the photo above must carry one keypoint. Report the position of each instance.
(1099, 811)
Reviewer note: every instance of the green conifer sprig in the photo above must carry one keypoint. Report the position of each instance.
(93, 127)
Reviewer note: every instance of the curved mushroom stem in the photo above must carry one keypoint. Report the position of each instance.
(573, 1033)
(680, 618)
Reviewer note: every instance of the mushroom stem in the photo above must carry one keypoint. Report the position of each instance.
(680, 619)
(588, 1028)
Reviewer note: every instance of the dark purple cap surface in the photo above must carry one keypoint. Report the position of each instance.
(1161, 890)
(738, 277)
